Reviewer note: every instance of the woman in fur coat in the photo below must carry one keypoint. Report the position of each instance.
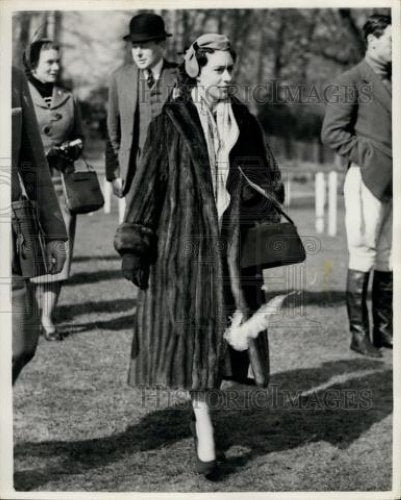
(180, 240)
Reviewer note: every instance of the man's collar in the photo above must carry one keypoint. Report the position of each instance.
(157, 69)
(377, 66)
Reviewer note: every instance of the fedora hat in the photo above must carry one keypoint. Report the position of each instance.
(146, 27)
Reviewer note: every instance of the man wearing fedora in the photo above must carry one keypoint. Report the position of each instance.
(137, 93)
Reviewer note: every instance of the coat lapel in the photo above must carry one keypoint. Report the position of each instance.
(233, 176)
(60, 96)
(129, 89)
(186, 120)
(36, 97)
(379, 91)
(168, 79)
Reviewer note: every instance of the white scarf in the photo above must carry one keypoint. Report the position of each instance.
(221, 134)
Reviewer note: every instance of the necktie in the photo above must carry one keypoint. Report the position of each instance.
(150, 79)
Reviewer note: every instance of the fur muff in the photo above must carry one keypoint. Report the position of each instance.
(195, 280)
(134, 238)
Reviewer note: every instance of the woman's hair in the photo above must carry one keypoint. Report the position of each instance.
(375, 25)
(201, 55)
(186, 81)
(32, 54)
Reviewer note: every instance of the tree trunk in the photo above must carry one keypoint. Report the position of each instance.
(346, 16)
(22, 29)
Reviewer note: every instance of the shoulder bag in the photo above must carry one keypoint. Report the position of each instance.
(28, 236)
(267, 245)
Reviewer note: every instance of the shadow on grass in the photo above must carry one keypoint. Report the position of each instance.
(67, 312)
(116, 324)
(90, 258)
(67, 324)
(84, 278)
(363, 399)
(326, 298)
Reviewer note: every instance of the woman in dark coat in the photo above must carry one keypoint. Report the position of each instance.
(180, 240)
(31, 172)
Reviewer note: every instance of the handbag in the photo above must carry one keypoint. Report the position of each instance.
(82, 190)
(28, 236)
(269, 244)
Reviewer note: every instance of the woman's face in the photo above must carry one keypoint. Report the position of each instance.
(216, 76)
(48, 66)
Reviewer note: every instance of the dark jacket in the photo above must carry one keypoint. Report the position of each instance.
(29, 161)
(357, 125)
(121, 155)
(195, 278)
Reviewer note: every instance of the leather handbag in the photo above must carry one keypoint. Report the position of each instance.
(28, 237)
(82, 191)
(268, 244)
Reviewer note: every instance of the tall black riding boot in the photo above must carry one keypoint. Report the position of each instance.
(382, 309)
(358, 315)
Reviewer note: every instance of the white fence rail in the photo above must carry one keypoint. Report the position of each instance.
(325, 197)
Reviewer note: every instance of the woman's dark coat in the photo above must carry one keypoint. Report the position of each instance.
(29, 164)
(195, 280)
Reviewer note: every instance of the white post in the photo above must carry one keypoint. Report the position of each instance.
(332, 210)
(107, 196)
(320, 201)
(121, 209)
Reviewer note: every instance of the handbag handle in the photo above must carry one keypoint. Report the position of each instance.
(89, 167)
(81, 155)
(268, 196)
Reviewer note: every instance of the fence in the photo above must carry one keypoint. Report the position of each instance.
(325, 195)
(326, 187)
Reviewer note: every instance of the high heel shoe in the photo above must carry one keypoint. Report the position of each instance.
(209, 469)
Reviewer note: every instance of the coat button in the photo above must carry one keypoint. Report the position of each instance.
(47, 130)
(55, 117)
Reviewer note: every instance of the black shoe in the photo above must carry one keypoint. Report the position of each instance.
(382, 309)
(362, 345)
(383, 341)
(358, 315)
(210, 468)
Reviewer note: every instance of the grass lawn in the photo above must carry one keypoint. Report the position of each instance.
(324, 424)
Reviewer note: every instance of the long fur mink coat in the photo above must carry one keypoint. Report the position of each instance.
(195, 281)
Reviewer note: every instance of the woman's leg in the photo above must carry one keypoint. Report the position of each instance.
(49, 293)
(204, 427)
(25, 324)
